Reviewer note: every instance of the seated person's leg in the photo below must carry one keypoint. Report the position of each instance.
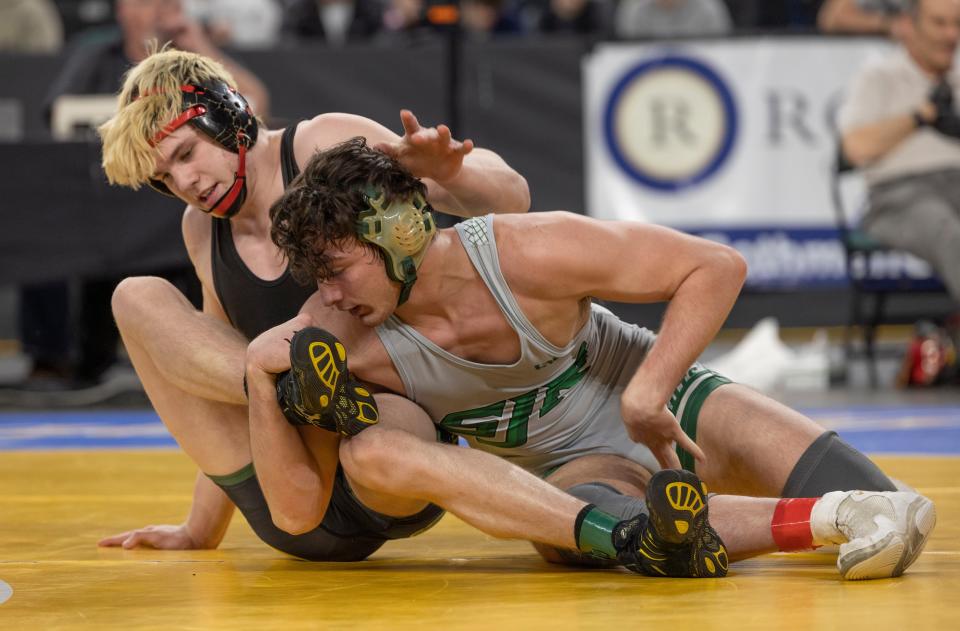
(920, 221)
(943, 249)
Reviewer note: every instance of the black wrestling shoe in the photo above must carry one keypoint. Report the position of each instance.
(319, 390)
(676, 540)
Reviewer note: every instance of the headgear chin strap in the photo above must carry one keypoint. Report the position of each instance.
(402, 230)
(221, 113)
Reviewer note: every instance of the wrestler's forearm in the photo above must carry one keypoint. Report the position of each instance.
(694, 315)
(485, 184)
(209, 515)
(288, 473)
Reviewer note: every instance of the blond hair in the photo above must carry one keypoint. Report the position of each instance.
(149, 99)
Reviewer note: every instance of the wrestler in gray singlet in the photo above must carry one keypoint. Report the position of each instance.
(554, 404)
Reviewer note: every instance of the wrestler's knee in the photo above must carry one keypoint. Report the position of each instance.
(396, 412)
(375, 455)
(830, 464)
(133, 295)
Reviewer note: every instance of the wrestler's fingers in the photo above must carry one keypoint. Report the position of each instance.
(158, 539)
(114, 540)
(443, 132)
(666, 455)
(687, 444)
(410, 123)
(135, 539)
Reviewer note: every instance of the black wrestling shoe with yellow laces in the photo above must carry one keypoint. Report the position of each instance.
(676, 540)
(319, 390)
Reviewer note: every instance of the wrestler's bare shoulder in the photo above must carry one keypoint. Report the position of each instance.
(529, 236)
(326, 130)
(195, 225)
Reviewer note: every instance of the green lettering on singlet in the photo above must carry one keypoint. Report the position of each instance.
(570, 377)
(504, 424)
(468, 423)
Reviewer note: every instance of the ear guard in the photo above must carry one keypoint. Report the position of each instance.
(402, 230)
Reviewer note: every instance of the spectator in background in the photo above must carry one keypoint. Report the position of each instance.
(671, 18)
(859, 16)
(403, 16)
(30, 26)
(901, 125)
(334, 22)
(84, 15)
(789, 15)
(238, 23)
(580, 17)
(775, 15)
(481, 19)
(97, 66)
(406, 21)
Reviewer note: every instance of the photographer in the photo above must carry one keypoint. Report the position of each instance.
(900, 125)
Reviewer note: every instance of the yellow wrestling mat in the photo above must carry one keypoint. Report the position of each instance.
(54, 506)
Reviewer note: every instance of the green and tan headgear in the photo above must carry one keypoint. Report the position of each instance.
(403, 230)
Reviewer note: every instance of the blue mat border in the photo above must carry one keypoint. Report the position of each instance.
(113, 429)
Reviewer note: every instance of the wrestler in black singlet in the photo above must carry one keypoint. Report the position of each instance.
(349, 530)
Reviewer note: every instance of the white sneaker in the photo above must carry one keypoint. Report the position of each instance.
(885, 532)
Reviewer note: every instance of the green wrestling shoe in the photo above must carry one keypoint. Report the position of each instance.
(319, 390)
(676, 540)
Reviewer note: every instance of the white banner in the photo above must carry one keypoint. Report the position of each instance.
(732, 139)
(720, 133)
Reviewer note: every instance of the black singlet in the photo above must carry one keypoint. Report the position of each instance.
(253, 304)
(350, 531)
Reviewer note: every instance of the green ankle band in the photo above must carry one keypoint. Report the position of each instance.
(234, 478)
(594, 532)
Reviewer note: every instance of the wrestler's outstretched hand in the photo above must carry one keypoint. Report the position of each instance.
(427, 151)
(159, 537)
(658, 429)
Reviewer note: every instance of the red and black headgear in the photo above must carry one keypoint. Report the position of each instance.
(220, 112)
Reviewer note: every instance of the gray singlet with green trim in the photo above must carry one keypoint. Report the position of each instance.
(553, 405)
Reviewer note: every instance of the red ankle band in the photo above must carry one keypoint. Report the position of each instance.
(791, 524)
